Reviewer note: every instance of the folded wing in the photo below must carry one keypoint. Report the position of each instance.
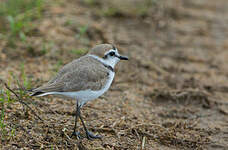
(76, 76)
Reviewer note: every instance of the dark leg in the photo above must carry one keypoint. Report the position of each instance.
(89, 135)
(77, 113)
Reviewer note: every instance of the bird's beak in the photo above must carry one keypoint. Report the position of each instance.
(122, 57)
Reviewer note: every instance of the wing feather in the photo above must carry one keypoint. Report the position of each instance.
(77, 75)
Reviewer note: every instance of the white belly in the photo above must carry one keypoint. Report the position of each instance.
(86, 95)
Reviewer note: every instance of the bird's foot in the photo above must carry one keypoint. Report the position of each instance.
(77, 134)
(91, 136)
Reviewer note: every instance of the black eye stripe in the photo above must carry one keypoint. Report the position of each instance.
(112, 53)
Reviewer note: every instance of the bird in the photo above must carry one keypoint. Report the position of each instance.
(84, 79)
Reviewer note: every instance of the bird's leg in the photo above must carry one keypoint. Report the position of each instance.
(77, 113)
(89, 135)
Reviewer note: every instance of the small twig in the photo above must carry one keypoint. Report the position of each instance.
(136, 132)
(143, 143)
(64, 129)
(147, 134)
(19, 99)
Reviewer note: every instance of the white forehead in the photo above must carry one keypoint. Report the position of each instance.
(111, 50)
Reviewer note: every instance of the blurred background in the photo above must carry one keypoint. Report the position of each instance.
(171, 94)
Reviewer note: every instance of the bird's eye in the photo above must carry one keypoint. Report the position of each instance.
(112, 53)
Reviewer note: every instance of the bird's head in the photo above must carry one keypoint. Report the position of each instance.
(107, 53)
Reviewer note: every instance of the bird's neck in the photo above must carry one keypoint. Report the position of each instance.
(107, 62)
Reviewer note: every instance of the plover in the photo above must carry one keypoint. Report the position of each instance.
(84, 79)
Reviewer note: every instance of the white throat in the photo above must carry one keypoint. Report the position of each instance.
(109, 61)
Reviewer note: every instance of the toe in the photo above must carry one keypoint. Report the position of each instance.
(77, 134)
(91, 136)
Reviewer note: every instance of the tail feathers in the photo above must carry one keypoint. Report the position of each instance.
(37, 93)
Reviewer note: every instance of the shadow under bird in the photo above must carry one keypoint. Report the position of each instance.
(84, 79)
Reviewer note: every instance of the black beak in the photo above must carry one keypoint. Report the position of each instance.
(122, 57)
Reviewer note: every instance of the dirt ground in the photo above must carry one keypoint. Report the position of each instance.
(171, 94)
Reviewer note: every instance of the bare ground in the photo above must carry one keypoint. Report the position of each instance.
(172, 94)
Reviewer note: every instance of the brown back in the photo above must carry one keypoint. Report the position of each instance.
(81, 74)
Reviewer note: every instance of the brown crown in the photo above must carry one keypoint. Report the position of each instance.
(99, 50)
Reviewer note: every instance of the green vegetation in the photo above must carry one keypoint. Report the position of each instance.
(46, 47)
(5, 101)
(2, 101)
(24, 78)
(120, 8)
(82, 31)
(78, 51)
(111, 11)
(57, 66)
(90, 2)
(17, 17)
(68, 22)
